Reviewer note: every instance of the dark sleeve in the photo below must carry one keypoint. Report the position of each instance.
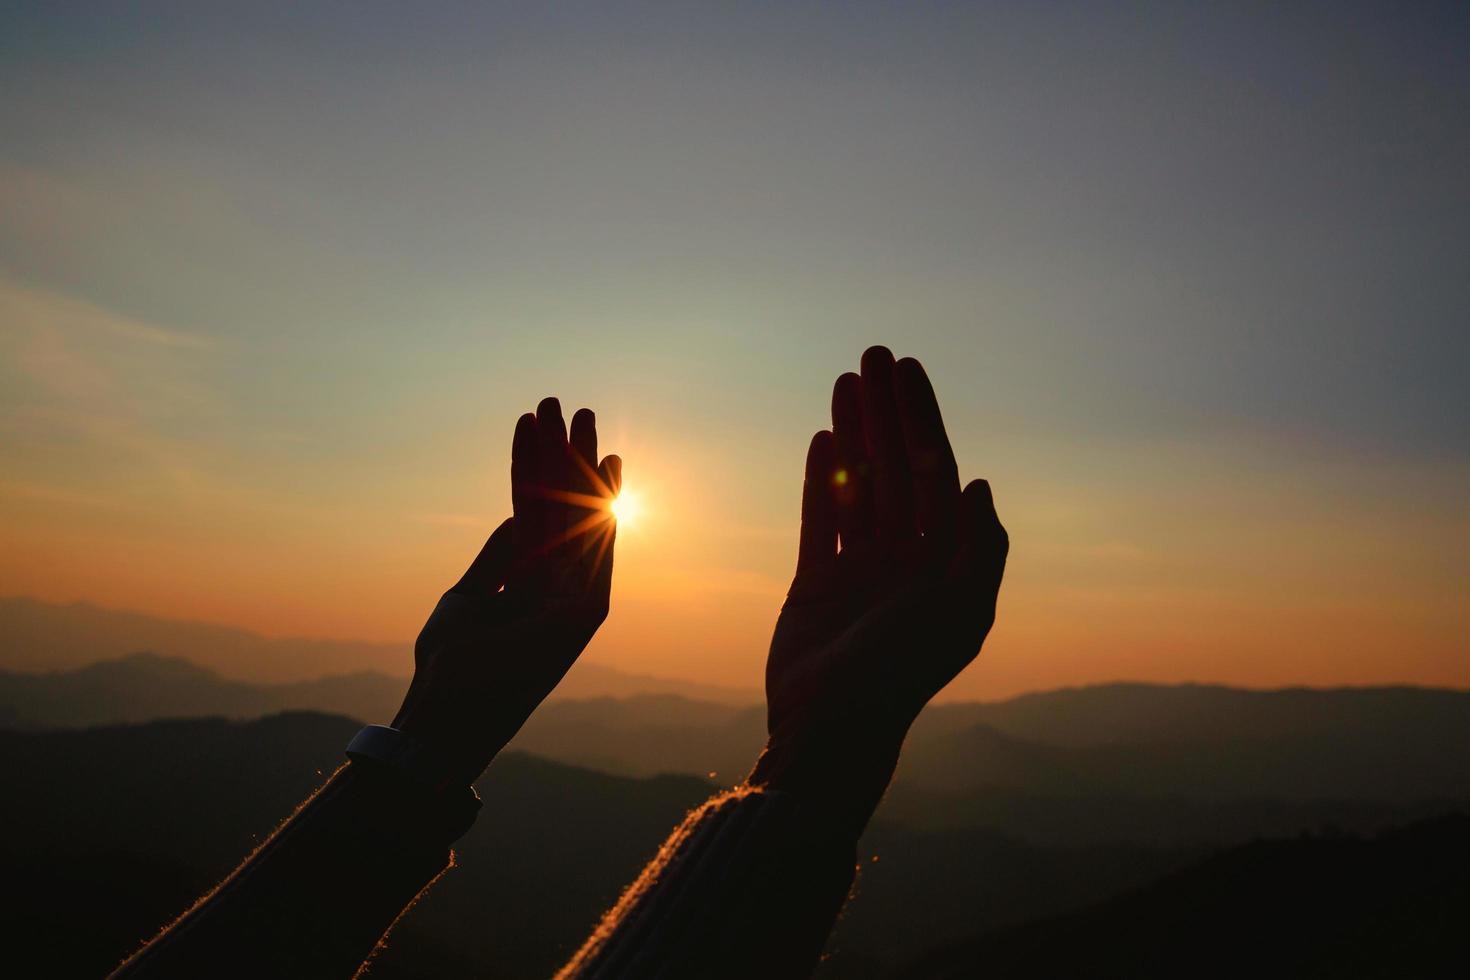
(315, 899)
(748, 885)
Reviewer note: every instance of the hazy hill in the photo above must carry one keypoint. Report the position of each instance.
(1361, 759)
(1392, 756)
(642, 733)
(649, 734)
(44, 636)
(1134, 713)
(1325, 906)
(147, 687)
(109, 832)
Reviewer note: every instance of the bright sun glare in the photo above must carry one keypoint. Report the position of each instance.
(626, 507)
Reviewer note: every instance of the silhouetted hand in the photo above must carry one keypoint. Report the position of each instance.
(502, 638)
(873, 630)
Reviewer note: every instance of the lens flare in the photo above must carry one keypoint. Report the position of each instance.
(626, 507)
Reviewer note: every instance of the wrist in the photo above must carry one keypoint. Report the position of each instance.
(845, 779)
(466, 746)
(443, 802)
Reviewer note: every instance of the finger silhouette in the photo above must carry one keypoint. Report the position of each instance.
(488, 572)
(853, 491)
(584, 449)
(936, 478)
(986, 540)
(584, 508)
(552, 446)
(818, 543)
(610, 475)
(525, 493)
(893, 497)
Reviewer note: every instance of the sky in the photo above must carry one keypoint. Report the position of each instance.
(1190, 281)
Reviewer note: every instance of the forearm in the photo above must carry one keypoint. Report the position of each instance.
(314, 899)
(748, 885)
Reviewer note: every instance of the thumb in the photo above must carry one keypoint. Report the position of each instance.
(487, 572)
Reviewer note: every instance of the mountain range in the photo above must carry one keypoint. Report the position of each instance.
(1191, 763)
(108, 832)
(1119, 830)
(1334, 905)
(44, 636)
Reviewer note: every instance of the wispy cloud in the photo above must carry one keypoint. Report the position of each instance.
(90, 393)
(23, 308)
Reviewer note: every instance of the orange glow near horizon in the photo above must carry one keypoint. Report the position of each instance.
(1104, 582)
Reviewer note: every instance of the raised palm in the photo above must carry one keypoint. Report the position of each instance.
(503, 636)
(896, 577)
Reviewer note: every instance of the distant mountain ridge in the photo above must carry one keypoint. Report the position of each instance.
(38, 636)
(1393, 905)
(1203, 763)
(1152, 764)
(143, 687)
(1124, 713)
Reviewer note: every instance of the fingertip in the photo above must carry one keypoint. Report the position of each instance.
(584, 435)
(821, 451)
(877, 359)
(918, 409)
(978, 490)
(847, 397)
(979, 505)
(525, 436)
(819, 531)
(910, 384)
(612, 472)
(549, 421)
(909, 370)
(548, 418)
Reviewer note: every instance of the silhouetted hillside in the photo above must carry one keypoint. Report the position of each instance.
(648, 734)
(1219, 788)
(111, 831)
(147, 687)
(108, 832)
(38, 636)
(1327, 906)
(44, 636)
(1361, 758)
(1131, 713)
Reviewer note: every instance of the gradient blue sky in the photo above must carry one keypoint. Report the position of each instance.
(1191, 281)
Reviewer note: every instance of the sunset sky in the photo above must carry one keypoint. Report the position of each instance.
(1192, 283)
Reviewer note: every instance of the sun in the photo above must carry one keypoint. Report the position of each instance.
(626, 507)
